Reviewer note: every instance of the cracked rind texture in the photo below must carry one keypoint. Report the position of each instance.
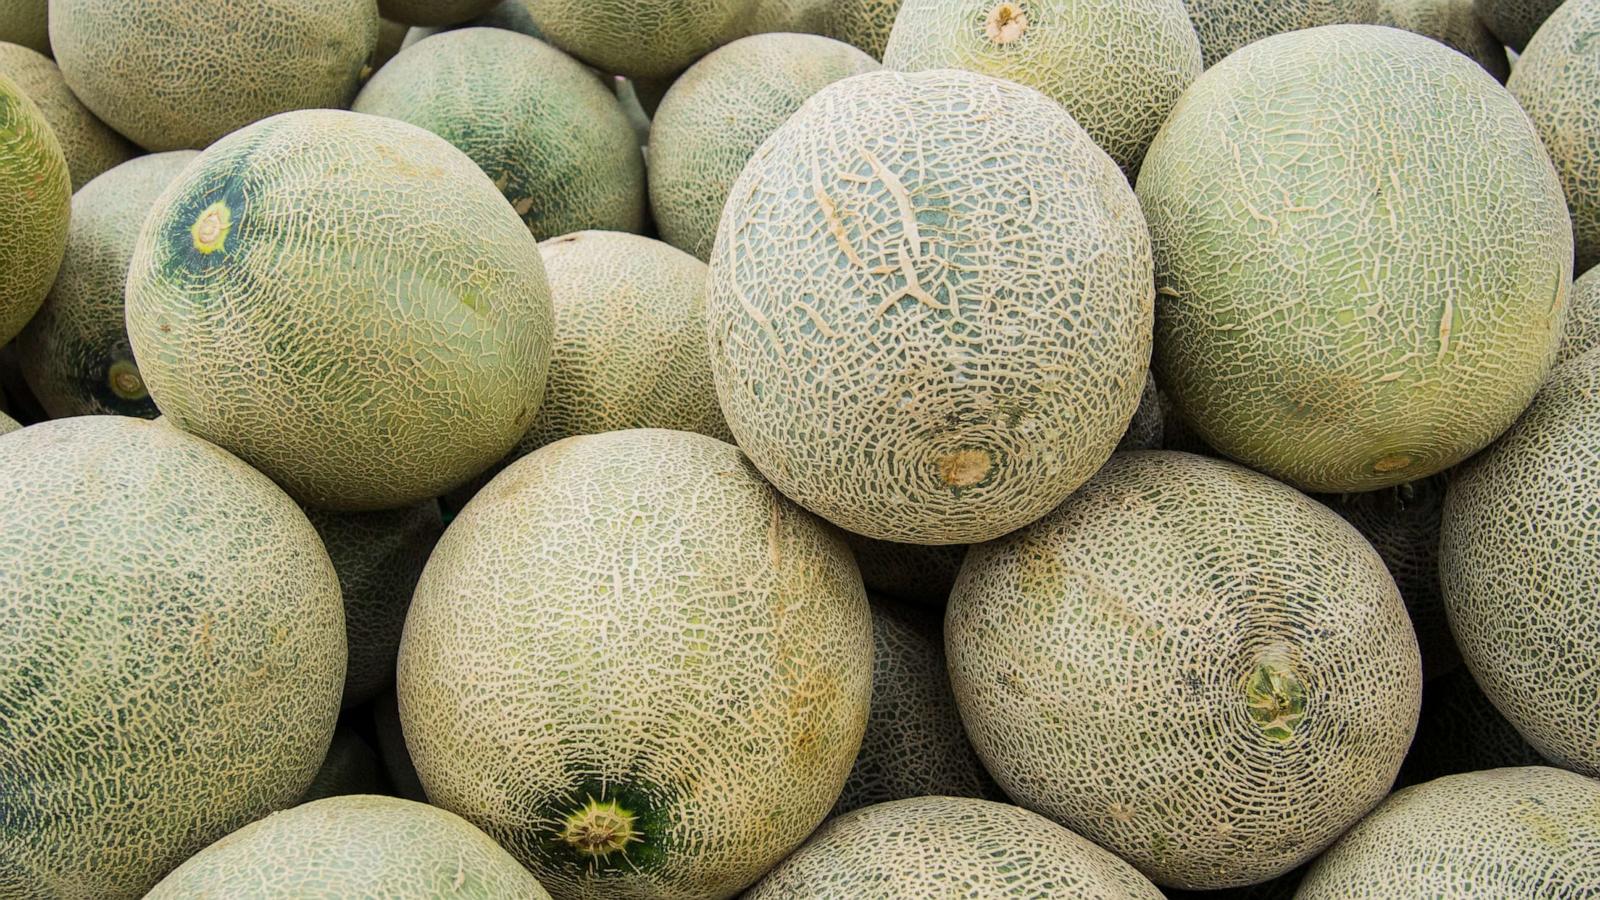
(1148, 429)
(930, 306)
(172, 654)
(1524, 832)
(912, 573)
(1118, 66)
(638, 617)
(1461, 731)
(356, 846)
(371, 326)
(1520, 565)
(1515, 22)
(1362, 253)
(639, 38)
(718, 113)
(1453, 23)
(433, 12)
(25, 22)
(863, 23)
(350, 767)
(1225, 26)
(89, 145)
(1582, 333)
(949, 847)
(511, 15)
(547, 132)
(1232, 649)
(74, 353)
(33, 220)
(180, 74)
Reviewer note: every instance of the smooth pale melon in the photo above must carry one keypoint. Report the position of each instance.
(511, 15)
(89, 146)
(25, 22)
(1186, 662)
(897, 347)
(1461, 731)
(433, 12)
(637, 666)
(8, 424)
(1582, 333)
(863, 23)
(75, 353)
(34, 216)
(358, 846)
(913, 573)
(350, 767)
(392, 748)
(719, 112)
(1515, 22)
(172, 656)
(643, 38)
(1332, 312)
(286, 285)
(1225, 26)
(1453, 23)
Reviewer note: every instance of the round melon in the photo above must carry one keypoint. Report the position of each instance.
(1582, 333)
(33, 219)
(912, 573)
(1453, 23)
(637, 666)
(391, 40)
(639, 38)
(793, 16)
(346, 302)
(179, 74)
(74, 352)
(1515, 22)
(1236, 654)
(434, 12)
(25, 22)
(949, 847)
(1225, 26)
(1080, 53)
(392, 748)
(357, 846)
(511, 15)
(863, 23)
(716, 115)
(351, 767)
(89, 146)
(1525, 832)
(1461, 731)
(8, 424)
(1328, 312)
(1148, 429)
(1519, 561)
(895, 345)
(172, 656)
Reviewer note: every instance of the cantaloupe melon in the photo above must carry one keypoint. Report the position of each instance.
(433, 12)
(33, 220)
(912, 573)
(358, 846)
(1326, 314)
(285, 287)
(1519, 560)
(74, 352)
(179, 74)
(172, 656)
(350, 767)
(1225, 26)
(8, 424)
(1515, 22)
(392, 748)
(1461, 731)
(863, 23)
(716, 115)
(1526, 832)
(949, 847)
(1148, 429)
(89, 146)
(644, 38)
(1453, 23)
(637, 666)
(1190, 664)
(25, 22)
(511, 15)
(793, 16)
(1582, 333)
(391, 40)
(898, 295)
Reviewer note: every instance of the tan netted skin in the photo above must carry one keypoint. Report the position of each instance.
(1453, 23)
(1331, 311)
(863, 23)
(639, 38)
(930, 306)
(1582, 333)
(433, 12)
(38, 202)
(1224, 26)
(638, 667)
(1518, 562)
(347, 303)
(88, 144)
(1504, 833)
(1515, 21)
(24, 22)
(172, 655)
(914, 573)
(1190, 664)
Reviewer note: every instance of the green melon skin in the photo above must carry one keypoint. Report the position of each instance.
(1519, 560)
(511, 15)
(433, 12)
(75, 352)
(1187, 662)
(637, 619)
(719, 112)
(1515, 22)
(38, 204)
(949, 847)
(640, 38)
(1225, 26)
(356, 846)
(392, 748)
(1148, 429)
(1461, 731)
(350, 767)
(1582, 333)
(792, 16)
(1522, 832)
(911, 573)
(1325, 312)
(391, 40)
(897, 347)
(8, 424)
(179, 74)
(25, 22)
(1453, 23)
(284, 283)
(540, 125)
(88, 144)
(172, 656)
(863, 23)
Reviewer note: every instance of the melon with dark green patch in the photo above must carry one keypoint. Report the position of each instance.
(1225, 26)
(1582, 332)
(644, 38)
(350, 767)
(1515, 22)
(88, 144)
(25, 22)
(433, 12)
(1453, 23)
(33, 219)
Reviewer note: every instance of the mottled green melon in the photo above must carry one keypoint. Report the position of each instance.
(358, 846)
(1453, 23)
(433, 12)
(644, 38)
(1225, 26)
(172, 655)
(912, 573)
(1148, 429)
(25, 22)
(637, 666)
(8, 424)
(949, 847)
(346, 302)
(896, 346)
(34, 216)
(350, 767)
(1582, 333)
(75, 353)
(793, 16)
(89, 146)
(1519, 561)
(1235, 653)
(1512, 833)
(863, 23)
(511, 15)
(716, 115)
(179, 74)
(1461, 731)
(1515, 22)
(1326, 311)
(392, 748)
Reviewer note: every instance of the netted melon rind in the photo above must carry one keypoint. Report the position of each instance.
(34, 217)
(89, 145)
(433, 12)
(863, 23)
(8, 424)
(25, 22)
(1582, 333)
(1515, 22)
(1225, 26)
(639, 38)
(1453, 23)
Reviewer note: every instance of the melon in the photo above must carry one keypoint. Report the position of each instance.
(1234, 650)
(1519, 561)
(33, 220)
(863, 23)
(75, 353)
(179, 74)
(912, 573)
(392, 748)
(511, 15)
(1461, 731)
(897, 347)
(643, 38)
(1520, 832)
(1225, 26)
(172, 656)
(391, 39)
(357, 846)
(716, 115)
(1148, 429)
(1453, 23)
(949, 847)
(433, 12)
(89, 146)
(637, 666)
(8, 424)
(350, 767)
(1325, 315)
(1582, 333)
(549, 133)
(793, 16)
(25, 22)
(1515, 22)
(284, 283)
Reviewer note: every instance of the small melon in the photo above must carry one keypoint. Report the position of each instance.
(911, 573)
(863, 23)
(34, 216)
(644, 38)
(350, 767)
(1461, 731)
(1515, 22)
(25, 22)
(8, 424)
(1582, 333)
(1225, 26)
(433, 12)
(510, 15)
(1453, 23)
(89, 146)
(392, 748)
